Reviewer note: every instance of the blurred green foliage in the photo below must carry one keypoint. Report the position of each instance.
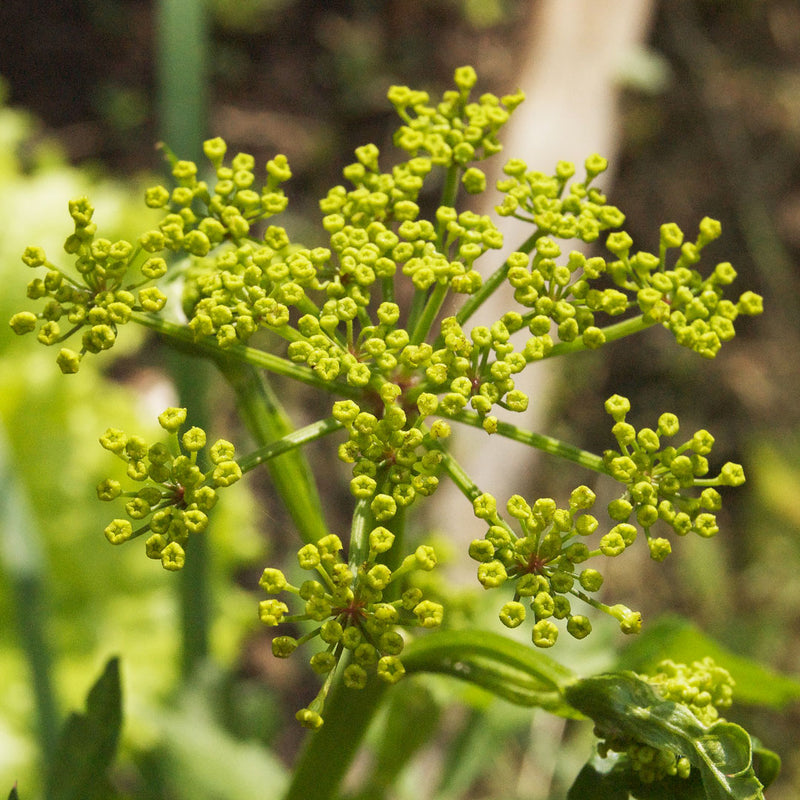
(96, 603)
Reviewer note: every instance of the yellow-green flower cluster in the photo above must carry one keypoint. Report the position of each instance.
(691, 307)
(455, 131)
(359, 608)
(98, 299)
(535, 197)
(236, 201)
(703, 687)
(565, 298)
(541, 564)
(177, 496)
(393, 463)
(661, 482)
(374, 233)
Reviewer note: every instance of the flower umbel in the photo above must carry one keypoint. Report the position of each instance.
(359, 606)
(669, 484)
(541, 563)
(177, 496)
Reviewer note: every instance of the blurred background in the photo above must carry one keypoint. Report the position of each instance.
(705, 120)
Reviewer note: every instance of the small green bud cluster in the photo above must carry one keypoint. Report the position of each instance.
(455, 131)
(561, 298)
(650, 764)
(357, 611)
(177, 496)
(238, 200)
(691, 307)
(99, 301)
(703, 687)
(478, 369)
(540, 199)
(662, 482)
(565, 297)
(541, 564)
(392, 464)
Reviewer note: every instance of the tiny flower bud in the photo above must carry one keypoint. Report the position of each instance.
(272, 581)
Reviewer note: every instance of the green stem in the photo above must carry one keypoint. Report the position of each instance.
(418, 304)
(612, 332)
(449, 195)
(181, 44)
(191, 377)
(424, 306)
(507, 668)
(428, 315)
(291, 474)
(297, 438)
(240, 352)
(489, 286)
(363, 522)
(547, 444)
(458, 475)
(329, 751)
(181, 30)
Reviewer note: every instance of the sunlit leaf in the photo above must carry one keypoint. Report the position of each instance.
(626, 706)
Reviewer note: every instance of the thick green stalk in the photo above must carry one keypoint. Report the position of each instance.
(182, 56)
(191, 377)
(329, 751)
(182, 39)
(267, 422)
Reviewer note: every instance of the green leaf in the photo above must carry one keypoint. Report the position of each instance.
(626, 706)
(13, 794)
(508, 669)
(766, 763)
(676, 638)
(88, 744)
(602, 779)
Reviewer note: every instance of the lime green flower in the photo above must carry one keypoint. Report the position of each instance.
(177, 497)
(663, 482)
(358, 607)
(540, 562)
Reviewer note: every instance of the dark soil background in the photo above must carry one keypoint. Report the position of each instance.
(721, 139)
